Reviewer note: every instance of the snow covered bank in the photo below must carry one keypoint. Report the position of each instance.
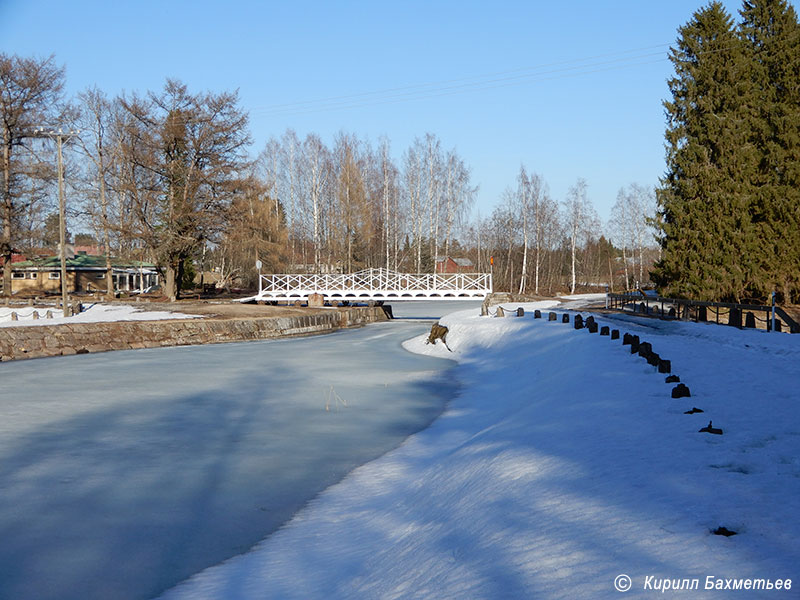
(563, 464)
(93, 313)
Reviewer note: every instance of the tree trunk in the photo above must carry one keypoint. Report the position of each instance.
(573, 251)
(170, 285)
(524, 273)
(5, 244)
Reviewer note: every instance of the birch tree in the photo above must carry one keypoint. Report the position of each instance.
(96, 120)
(581, 220)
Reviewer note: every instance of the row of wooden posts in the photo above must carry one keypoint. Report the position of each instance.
(643, 349)
(35, 315)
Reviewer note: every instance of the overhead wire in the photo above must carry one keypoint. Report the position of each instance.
(422, 91)
(514, 77)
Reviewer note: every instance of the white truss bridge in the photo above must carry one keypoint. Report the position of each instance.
(375, 284)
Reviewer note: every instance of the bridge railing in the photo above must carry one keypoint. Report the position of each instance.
(375, 280)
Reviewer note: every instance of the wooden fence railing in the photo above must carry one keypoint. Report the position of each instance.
(738, 315)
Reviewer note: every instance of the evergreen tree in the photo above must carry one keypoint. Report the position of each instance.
(771, 35)
(704, 213)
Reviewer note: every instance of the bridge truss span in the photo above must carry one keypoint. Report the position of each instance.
(376, 285)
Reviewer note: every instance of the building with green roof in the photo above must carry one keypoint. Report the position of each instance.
(85, 273)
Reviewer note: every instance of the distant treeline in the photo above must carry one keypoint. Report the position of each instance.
(168, 176)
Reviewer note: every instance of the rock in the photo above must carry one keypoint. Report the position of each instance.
(438, 332)
(316, 300)
(500, 312)
(634, 344)
(578, 322)
(552, 317)
(693, 411)
(626, 339)
(604, 330)
(653, 359)
(681, 391)
(723, 531)
(565, 318)
(750, 320)
(537, 314)
(672, 379)
(735, 318)
(710, 429)
(665, 366)
(520, 312)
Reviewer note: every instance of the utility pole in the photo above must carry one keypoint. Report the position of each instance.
(59, 136)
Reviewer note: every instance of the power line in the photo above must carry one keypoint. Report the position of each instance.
(521, 76)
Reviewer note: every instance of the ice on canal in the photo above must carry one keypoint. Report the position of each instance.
(123, 473)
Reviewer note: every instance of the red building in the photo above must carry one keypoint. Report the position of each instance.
(447, 264)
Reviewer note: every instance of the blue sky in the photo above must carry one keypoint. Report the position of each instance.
(570, 89)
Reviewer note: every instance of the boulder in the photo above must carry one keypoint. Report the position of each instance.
(681, 391)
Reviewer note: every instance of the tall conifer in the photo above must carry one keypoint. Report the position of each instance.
(704, 214)
(771, 34)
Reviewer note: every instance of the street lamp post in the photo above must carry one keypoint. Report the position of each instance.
(59, 136)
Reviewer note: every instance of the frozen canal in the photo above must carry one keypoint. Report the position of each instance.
(123, 473)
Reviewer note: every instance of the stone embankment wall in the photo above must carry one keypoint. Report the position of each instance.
(81, 338)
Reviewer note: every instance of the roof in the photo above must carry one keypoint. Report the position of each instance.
(461, 262)
(82, 262)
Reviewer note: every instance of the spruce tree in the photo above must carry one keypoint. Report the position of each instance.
(771, 34)
(704, 213)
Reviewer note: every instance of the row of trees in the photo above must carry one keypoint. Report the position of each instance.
(541, 246)
(729, 205)
(167, 176)
(351, 205)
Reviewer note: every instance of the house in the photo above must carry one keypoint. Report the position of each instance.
(446, 264)
(85, 273)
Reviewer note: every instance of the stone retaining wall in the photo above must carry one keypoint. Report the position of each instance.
(80, 338)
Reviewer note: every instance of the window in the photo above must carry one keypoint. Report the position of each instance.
(17, 275)
(54, 275)
(100, 275)
(32, 275)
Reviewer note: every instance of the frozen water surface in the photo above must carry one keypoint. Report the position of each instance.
(123, 473)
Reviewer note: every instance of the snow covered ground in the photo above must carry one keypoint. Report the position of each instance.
(562, 465)
(92, 313)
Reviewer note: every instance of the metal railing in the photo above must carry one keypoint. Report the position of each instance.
(728, 313)
(376, 284)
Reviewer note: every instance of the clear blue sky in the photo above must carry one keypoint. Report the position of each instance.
(570, 89)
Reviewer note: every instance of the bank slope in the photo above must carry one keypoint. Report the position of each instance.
(563, 464)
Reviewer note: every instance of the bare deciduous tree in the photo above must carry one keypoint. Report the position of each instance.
(30, 96)
(194, 148)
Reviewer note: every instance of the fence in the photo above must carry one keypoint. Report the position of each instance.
(738, 315)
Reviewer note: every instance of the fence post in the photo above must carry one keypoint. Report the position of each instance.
(773, 311)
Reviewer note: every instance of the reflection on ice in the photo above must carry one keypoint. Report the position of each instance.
(124, 473)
